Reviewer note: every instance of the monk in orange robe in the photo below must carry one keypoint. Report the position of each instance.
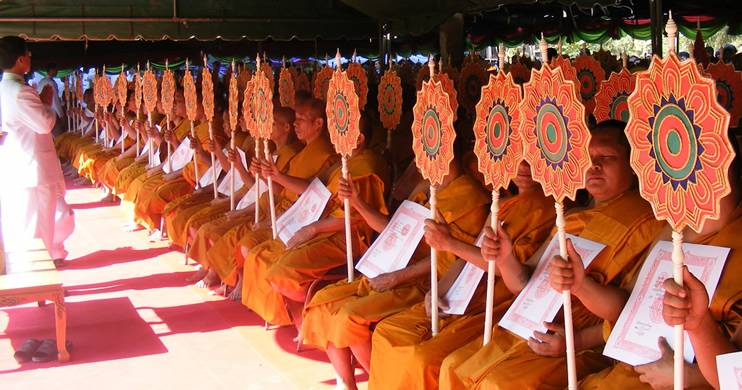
(274, 270)
(406, 337)
(209, 233)
(187, 213)
(316, 159)
(154, 195)
(619, 219)
(282, 135)
(713, 329)
(339, 317)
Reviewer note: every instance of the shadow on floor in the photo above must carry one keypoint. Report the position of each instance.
(120, 255)
(101, 330)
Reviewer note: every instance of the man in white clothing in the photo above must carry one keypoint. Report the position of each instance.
(32, 194)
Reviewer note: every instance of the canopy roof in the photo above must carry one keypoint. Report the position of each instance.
(183, 19)
(236, 19)
(175, 29)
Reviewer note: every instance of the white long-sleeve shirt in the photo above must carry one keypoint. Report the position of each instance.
(56, 100)
(27, 157)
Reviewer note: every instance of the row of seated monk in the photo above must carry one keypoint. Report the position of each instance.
(383, 322)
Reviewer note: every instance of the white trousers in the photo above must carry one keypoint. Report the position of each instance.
(36, 212)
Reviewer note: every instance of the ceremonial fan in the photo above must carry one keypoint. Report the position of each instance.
(97, 99)
(302, 82)
(191, 104)
(167, 97)
(105, 94)
(473, 77)
(120, 95)
(343, 118)
(390, 103)
(357, 75)
(499, 149)
(149, 93)
(233, 118)
(286, 87)
(321, 81)
(207, 92)
(590, 75)
(433, 135)
(728, 88)
(262, 108)
(80, 95)
(138, 101)
(252, 127)
(552, 123)
(611, 99)
(680, 151)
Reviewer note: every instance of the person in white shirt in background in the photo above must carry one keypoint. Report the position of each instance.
(32, 201)
(51, 73)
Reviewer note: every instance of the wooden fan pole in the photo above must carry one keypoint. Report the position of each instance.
(213, 161)
(231, 173)
(257, 181)
(494, 210)
(97, 126)
(274, 226)
(123, 132)
(567, 296)
(195, 161)
(678, 258)
(69, 124)
(389, 139)
(139, 152)
(79, 116)
(149, 141)
(348, 239)
(169, 147)
(433, 269)
(106, 130)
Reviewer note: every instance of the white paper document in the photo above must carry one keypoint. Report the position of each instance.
(538, 302)
(225, 183)
(307, 209)
(156, 154)
(634, 337)
(729, 367)
(393, 249)
(463, 288)
(182, 156)
(250, 197)
(207, 178)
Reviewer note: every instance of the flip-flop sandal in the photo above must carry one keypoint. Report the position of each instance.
(23, 354)
(47, 351)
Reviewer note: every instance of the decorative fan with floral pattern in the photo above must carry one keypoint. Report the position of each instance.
(611, 101)
(390, 99)
(729, 89)
(589, 78)
(679, 142)
(552, 123)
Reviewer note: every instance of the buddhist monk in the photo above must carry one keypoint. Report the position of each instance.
(711, 328)
(276, 274)
(157, 191)
(406, 337)
(287, 146)
(192, 210)
(618, 218)
(130, 180)
(317, 158)
(339, 317)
